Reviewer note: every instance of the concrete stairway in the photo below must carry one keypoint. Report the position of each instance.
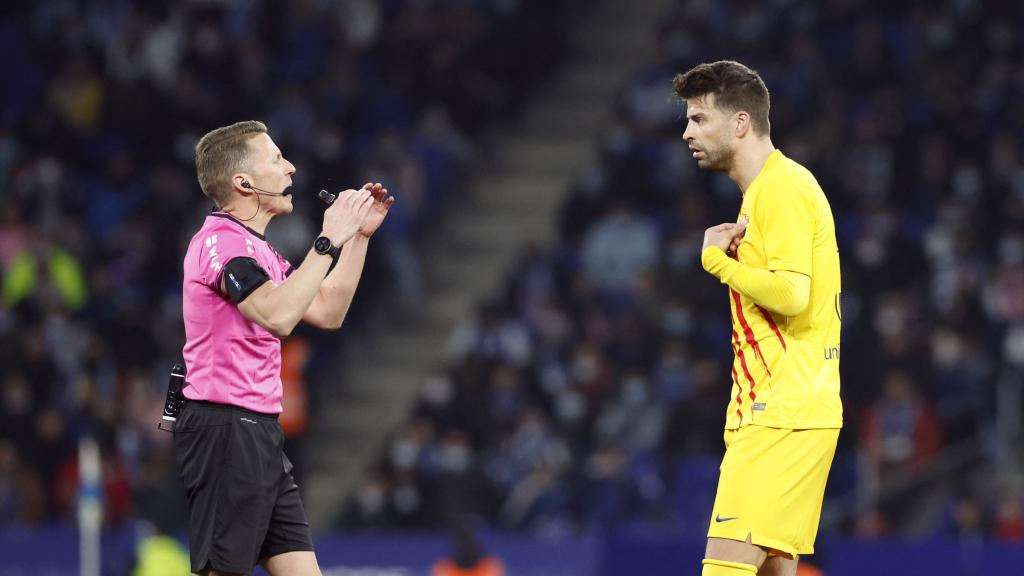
(512, 200)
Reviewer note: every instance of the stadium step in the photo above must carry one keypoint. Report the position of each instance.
(542, 157)
(378, 360)
(571, 118)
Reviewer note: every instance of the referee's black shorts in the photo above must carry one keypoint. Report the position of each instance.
(244, 505)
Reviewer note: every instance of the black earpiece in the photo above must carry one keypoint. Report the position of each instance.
(261, 192)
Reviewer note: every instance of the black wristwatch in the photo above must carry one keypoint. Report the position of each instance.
(323, 245)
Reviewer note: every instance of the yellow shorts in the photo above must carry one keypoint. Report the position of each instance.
(771, 486)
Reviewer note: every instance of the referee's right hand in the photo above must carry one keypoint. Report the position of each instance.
(343, 218)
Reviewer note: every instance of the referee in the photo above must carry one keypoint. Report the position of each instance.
(240, 298)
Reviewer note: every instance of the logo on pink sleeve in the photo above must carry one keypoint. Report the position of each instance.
(211, 243)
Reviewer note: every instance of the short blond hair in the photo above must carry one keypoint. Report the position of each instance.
(222, 152)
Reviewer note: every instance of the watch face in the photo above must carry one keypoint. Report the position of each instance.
(322, 245)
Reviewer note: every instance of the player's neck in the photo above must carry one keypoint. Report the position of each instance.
(749, 161)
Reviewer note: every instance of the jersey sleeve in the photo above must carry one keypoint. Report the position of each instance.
(220, 247)
(286, 265)
(242, 276)
(785, 214)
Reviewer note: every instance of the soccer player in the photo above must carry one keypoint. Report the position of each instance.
(781, 265)
(240, 299)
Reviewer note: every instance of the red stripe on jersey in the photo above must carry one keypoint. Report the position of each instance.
(771, 322)
(736, 379)
(739, 387)
(748, 333)
(743, 364)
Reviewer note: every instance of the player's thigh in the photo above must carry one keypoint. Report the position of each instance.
(735, 551)
(301, 563)
(778, 566)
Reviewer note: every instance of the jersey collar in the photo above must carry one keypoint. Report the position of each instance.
(774, 158)
(239, 222)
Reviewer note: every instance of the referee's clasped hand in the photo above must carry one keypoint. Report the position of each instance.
(378, 209)
(344, 218)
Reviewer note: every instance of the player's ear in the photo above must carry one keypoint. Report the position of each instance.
(741, 123)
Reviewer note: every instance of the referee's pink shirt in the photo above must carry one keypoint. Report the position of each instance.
(229, 359)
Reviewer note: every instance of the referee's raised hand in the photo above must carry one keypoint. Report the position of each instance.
(344, 218)
(378, 209)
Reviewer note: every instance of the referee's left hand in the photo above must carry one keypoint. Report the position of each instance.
(378, 209)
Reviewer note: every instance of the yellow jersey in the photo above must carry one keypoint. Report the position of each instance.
(785, 373)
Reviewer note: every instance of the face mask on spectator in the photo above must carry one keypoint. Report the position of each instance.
(1011, 250)
(569, 407)
(584, 369)
(634, 391)
(371, 499)
(454, 458)
(1013, 346)
(947, 350)
(404, 454)
(406, 499)
(677, 322)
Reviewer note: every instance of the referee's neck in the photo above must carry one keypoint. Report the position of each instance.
(255, 217)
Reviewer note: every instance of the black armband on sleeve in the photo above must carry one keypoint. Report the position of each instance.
(241, 276)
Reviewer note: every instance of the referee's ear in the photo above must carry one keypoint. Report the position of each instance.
(240, 182)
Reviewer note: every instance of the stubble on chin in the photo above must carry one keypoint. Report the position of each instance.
(719, 161)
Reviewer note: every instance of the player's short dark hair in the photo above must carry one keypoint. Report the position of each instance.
(221, 153)
(735, 86)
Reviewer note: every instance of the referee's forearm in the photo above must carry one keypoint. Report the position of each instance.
(339, 288)
(280, 308)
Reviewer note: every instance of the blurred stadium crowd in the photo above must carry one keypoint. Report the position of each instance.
(591, 392)
(102, 104)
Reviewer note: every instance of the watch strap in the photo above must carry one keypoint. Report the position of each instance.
(334, 252)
